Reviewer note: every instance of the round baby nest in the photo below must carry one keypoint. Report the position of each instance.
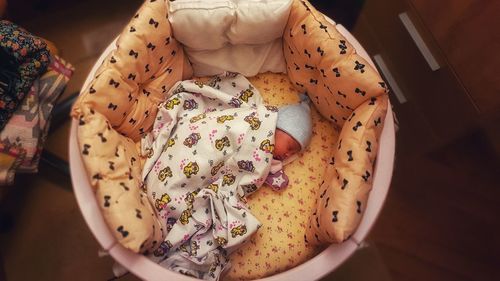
(319, 265)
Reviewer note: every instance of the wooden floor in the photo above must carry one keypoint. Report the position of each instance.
(440, 221)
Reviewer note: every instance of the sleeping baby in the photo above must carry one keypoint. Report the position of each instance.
(210, 147)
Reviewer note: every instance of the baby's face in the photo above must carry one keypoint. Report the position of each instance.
(284, 145)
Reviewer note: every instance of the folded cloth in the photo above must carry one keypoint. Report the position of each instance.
(25, 133)
(23, 58)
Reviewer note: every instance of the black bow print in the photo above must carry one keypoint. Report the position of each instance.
(97, 176)
(114, 83)
(300, 85)
(339, 104)
(136, 16)
(349, 155)
(358, 124)
(290, 49)
(342, 47)
(317, 222)
(322, 194)
(366, 175)
(369, 146)
(103, 139)
(146, 67)
(304, 28)
(358, 203)
(124, 186)
(340, 94)
(307, 53)
(377, 121)
(313, 81)
(106, 201)
(111, 165)
(334, 216)
(122, 231)
(290, 34)
(383, 85)
(321, 26)
(131, 76)
(132, 121)
(309, 67)
(92, 90)
(359, 66)
(133, 53)
(359, 91)
(344, 184)
(323, 73)
(372, 100)
(305, 5)
(138, 213)
(333, 118)
(321, 52)
(327, 201)
(340, 145)
(336, 71)
(130, 97)
(352, 116)
(116, 152)
(80, 121)
(112, 106)
(86, 149)
(169, 70)
(151, 46)
(153, 22)
(296, 66)
(333, 161)
(112, 60)
(132, 160)
(132, 29)
(173, 53)
(146, 93)
(164, 89)
(167, 40)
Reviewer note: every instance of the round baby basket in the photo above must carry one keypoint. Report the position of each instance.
(318, 266)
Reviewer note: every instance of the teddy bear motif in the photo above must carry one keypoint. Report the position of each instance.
(266, 146)
(221, 143)
(192, 139)
(246, 94)
(164, 173)
(162, 202)
(216, 168)
(246, 165)
(190, 104)
(214, 187)
(170, 104)
(185, 215)
(240, 230)
(198, 118)
(165, 246)
(224, 118)
(253, 121)
(190, 169)
(221, 240)
(228, 179)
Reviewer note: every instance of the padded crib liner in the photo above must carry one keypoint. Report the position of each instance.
(119, 106)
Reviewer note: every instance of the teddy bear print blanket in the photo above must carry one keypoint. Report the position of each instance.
(210, 146)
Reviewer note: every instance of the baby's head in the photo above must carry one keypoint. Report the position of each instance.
(293, 130)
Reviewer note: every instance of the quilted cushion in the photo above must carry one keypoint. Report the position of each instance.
(344, 192)
(238, 36)
(213, 24)
(322, 62)
(279, 243)
(117, 107)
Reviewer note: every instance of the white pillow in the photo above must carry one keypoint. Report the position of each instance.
(248, 60)
(211, 24)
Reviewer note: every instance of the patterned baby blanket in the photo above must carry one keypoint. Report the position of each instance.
(211, 145)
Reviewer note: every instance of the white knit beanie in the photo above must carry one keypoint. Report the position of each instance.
(295, 120)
